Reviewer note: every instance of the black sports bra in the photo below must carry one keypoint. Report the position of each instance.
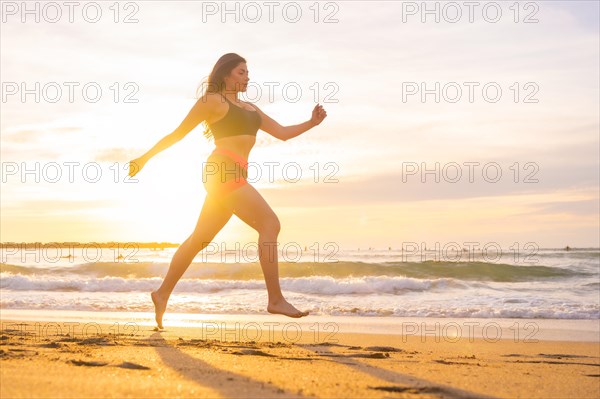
(236, 122)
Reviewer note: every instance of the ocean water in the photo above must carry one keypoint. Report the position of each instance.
(540, 283)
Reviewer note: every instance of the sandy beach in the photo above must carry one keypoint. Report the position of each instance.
(49, 359)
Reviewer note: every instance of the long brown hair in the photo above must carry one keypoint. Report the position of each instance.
(215, 82)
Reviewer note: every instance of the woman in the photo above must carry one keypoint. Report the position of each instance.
(233, 125)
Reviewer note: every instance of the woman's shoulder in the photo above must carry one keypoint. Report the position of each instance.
(214, 102)
(213, 98)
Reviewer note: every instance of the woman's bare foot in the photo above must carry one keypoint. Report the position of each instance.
(160, 305)
(285, 308)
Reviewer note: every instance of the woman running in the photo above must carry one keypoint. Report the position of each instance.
(233, 124)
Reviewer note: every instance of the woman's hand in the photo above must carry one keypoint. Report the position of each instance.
(136, 165)
(318, 115)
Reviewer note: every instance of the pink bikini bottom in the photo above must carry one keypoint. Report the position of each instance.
(224, 171)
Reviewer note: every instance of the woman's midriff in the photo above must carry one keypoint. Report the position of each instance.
(239, 144)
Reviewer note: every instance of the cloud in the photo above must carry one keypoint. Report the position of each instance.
(22, 136)
(416, 183)
(573, 208)
(584, 14)
(34, 134)
(32, 209)
(115, 155)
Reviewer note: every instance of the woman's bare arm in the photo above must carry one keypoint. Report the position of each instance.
(199, 112)
(284, 133)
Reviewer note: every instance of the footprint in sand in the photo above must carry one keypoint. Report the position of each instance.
(86, 363)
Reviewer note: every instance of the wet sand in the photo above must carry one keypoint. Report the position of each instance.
(39, 360)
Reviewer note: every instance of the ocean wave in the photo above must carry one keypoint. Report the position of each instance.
(190, 304)
(467, 271)
(320, 285)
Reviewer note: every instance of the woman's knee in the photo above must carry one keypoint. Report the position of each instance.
(272, 226)
(196, 244)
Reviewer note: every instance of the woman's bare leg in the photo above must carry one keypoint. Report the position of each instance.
(213, 217)
(251, 208)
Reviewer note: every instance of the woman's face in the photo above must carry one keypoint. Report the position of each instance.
(237, 80)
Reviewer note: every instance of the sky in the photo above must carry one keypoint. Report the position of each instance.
(480, 127)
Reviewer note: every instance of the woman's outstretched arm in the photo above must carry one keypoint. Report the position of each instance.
(197, 114)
